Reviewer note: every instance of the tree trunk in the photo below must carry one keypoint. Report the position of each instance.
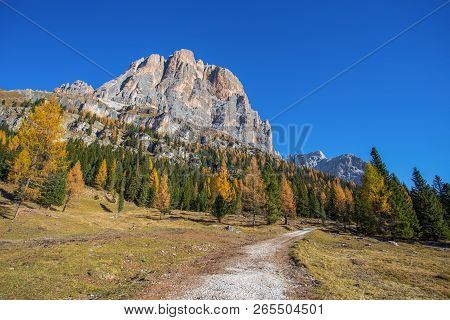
(18, 207)
(285, 219)
(65, 204)
(254, 218)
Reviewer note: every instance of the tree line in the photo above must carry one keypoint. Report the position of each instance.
(51, 171)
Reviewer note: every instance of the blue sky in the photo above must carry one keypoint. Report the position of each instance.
(398, 99)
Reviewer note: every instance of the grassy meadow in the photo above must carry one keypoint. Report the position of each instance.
(350, 267)
(91, 252)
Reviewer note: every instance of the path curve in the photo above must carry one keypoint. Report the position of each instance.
(255, 274)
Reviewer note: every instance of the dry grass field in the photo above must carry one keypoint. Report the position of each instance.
(349, 267)
(91, 252)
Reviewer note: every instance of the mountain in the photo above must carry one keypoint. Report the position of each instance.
(179, 96)
(347, 166)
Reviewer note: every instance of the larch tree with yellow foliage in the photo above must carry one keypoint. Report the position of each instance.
(287, 199)
(224, 193)
(253, 191)
(162, 197)
(112, 177)
(43, 150)
(154, 184)
(222, 185)
(13, 143)
(2, 137)
(75, 183)
(102, 175)
(373, 202)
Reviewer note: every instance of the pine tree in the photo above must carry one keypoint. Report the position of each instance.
(303, 204)
(378, 163)
(162, 199)
(121, 201)
(402, 220)
(442, 190)
(287, 199)
(273, 194)
(132, 189)
(253, 191)
(43, 152)
(404, 223)
(428, 209)
(53, 191)
(102, 175)
(314, 204)
(219, 209)
(142, 198)
(75, 183)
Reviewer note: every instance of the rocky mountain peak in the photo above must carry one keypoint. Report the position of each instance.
(179, 96)
(77, 87)
(347, 166)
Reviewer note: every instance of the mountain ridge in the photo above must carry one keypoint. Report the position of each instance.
(347, 166)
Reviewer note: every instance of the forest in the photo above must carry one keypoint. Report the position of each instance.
(49, 170)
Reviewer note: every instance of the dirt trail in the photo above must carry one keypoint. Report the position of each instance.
(261, 271)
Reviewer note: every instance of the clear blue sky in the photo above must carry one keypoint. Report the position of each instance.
(398, 99)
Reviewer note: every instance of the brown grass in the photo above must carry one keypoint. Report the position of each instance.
(91, 252)
(350, 267)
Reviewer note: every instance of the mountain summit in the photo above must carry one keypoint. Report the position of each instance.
(347, 166)
(180, 95)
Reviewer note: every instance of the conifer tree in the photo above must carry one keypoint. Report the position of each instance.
(222, 185)
(428, 208)
(219, 209)
(154, 185)
(53, 190)
(402, 220)
(121, 201)
(373, 202)
(273, 194)
(43, 152)
(442, 190)
(378, 163)
(162, 199)
(132, 189)
(303, 204)
(112, 176)
(143, 195)
(2, 137)
(404, 223)
(287, 199)
(75, 183)
(102, 175)
(253, 191)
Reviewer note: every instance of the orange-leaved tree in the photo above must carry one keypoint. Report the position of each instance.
(287, 199)
(102, 175)
(162, 197)
(43, 150)
(75, 183)
(253, 191)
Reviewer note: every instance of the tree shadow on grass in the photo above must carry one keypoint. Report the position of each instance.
(6, 210)
(105, 208)
(7, 205)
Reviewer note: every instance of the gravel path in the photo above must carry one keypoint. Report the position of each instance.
(255, 274)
